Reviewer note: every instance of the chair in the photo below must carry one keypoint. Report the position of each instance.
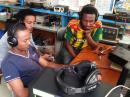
(59, 45)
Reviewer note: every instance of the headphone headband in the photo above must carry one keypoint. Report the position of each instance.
(89, 6)
(90, 83)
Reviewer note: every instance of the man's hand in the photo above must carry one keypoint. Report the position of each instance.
(45, 56)
(48, 57)
(99, 77)
(89, 39)
(88, 32)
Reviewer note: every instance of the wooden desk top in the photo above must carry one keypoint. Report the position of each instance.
(108, 75)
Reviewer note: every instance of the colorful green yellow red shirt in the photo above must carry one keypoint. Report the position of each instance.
(75, 35)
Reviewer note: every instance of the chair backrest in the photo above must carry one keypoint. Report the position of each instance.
(59, 40)
(59, 44)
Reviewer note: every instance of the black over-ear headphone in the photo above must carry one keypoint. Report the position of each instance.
(83, 69)
(12, 40)
(89, 6)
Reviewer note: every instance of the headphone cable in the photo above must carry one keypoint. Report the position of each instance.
(119, 86)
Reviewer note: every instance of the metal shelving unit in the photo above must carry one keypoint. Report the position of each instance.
(111, 21)
(64, 16)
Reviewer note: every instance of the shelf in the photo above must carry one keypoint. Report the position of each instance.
(49, 12)
(46, 28)
(111, 21)
(37, 26)
(73, 14)
(36, 9)
(64, 15)
(12, 6)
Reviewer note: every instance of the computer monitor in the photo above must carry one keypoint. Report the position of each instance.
(110, 34)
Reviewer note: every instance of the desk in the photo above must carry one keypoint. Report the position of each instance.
(46, 83)
(108, 75)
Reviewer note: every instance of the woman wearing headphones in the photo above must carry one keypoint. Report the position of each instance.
(22, 63)
(80, 33)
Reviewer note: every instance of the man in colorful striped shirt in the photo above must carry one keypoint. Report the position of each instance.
(86, 31)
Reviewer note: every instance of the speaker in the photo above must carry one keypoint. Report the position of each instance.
(12, 41)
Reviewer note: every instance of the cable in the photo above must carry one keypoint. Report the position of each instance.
(119, 86)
